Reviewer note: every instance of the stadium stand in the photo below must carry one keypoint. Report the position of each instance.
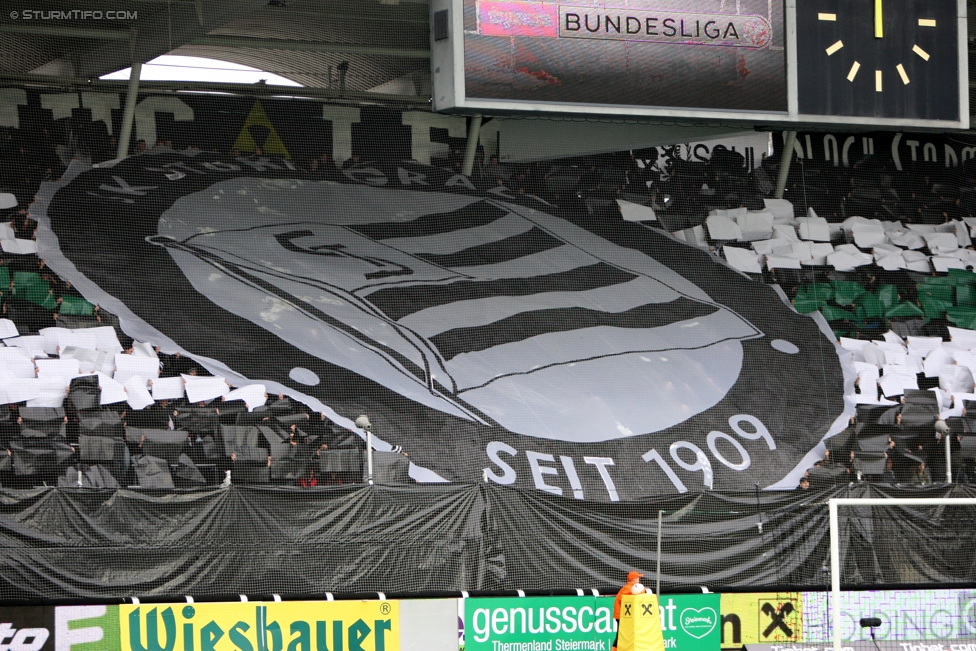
(892, 281)
(894, 291)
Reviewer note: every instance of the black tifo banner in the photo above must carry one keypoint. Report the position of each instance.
(491, 335)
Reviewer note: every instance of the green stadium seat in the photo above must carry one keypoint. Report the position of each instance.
(938, 292)
(904, 308)
(846, 291)
(26, 279)
(870, 305)
(39, 294)
(966, 295)
(76, 305)
(822, 291)
(806, 305)
(934, 308)
(936, 281)
(834, 313)
(964, 317)
(888, 296)
(962, 277)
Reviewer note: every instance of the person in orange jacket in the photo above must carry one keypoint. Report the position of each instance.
(633, 579)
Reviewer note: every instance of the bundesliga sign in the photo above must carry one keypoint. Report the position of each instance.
(648, 53)
(568, 21)
(752, 61)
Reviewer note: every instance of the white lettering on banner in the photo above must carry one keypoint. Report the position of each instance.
(508, 475)
(845, 159)
(840, 155)
(101, 106)
(894, 151)
(489, 622)
(573, 478)
(538, 470)
(146, 110)
(60, 105)
(667, 616)
(754, 148)
(10, 99)
(342, 118)
(830, 149)
(420, 123)
(701, 462)
(24, 639)
(220, 166)
(740, 425)
(601, 464)
(577, 645)
(714, 437)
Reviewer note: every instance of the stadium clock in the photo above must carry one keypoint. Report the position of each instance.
(878, 58)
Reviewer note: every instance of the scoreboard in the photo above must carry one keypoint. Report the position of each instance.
(876, 63)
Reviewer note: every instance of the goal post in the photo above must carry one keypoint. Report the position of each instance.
(834, 505)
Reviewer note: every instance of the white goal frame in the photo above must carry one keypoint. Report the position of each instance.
(834, 504)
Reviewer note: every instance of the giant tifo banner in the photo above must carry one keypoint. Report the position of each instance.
(488, 334)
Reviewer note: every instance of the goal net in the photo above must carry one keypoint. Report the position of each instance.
(883, 541)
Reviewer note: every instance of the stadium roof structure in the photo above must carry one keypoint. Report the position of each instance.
(354, 50)
(339, 49)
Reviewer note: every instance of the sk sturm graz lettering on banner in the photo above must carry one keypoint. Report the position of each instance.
(485, 333)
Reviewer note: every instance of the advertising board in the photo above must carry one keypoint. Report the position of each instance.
(761, 618)
(86, 628)
(294, 626)
(27, 628)
(688, 623)
(539, 624)
(774, 621)
(915, 615)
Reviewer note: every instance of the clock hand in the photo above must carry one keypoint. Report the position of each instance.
(878, 20)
